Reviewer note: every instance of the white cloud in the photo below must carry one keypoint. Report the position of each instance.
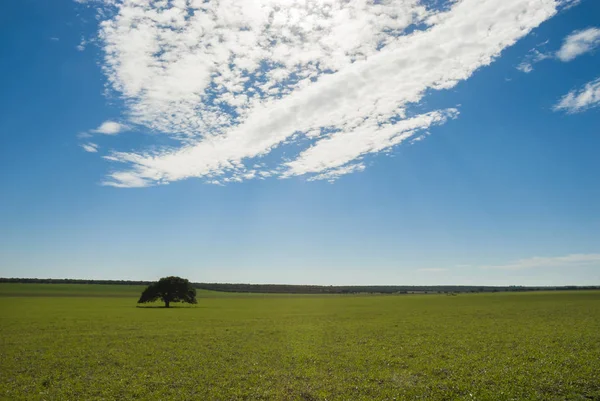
(578, 43)
(580, 100)
(569, 4)
(110, 128)
(533, 57)
(334, 173)
(525, 67)
(345, 146)
(172, 62)
(575, 44)
(569, 261)
(90, 147)
(126, 179)
(334, 80)
(82, 44)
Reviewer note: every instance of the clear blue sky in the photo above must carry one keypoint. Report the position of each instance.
(399, 144)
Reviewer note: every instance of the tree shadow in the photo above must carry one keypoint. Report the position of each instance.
(163, 307)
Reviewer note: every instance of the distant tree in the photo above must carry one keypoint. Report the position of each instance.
(169, 289)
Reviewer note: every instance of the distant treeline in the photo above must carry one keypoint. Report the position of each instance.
(372, 289)
(71, 281)
(315, 289)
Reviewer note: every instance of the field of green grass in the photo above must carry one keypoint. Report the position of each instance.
(91, 342)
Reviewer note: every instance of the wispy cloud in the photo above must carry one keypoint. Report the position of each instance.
(579, 100)
(343, 147)
(525, 67)
(432, 270)
(82, 44)
(575, 44)
(533, 57)
(90, 147)
(110, 128)
(569, 261)
(333, 82)
(578, 43)
(334, 173)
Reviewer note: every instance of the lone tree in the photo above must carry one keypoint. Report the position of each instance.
(169, 289)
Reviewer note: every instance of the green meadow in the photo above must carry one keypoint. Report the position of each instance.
(92, 342)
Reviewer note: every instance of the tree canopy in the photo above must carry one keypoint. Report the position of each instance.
(169, 289)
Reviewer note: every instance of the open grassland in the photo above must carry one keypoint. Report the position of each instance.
(89, 342)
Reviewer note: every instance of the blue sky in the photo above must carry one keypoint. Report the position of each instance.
(302, 142)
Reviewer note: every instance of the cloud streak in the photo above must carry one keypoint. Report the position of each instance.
(578, 43)
(432, 270)
(330, 82)
(90, 147)
(579, 100)
(110, 128)
(568, 261)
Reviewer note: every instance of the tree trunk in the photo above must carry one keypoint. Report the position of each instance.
(167, 304)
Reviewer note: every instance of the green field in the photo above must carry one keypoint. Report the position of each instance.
(90, 342)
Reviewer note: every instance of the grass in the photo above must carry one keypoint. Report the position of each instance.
(74, 342)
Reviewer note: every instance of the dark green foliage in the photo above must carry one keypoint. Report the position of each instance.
(169, 289)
